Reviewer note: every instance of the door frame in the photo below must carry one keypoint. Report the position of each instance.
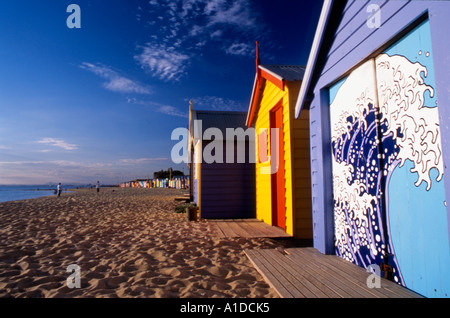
(278, 193)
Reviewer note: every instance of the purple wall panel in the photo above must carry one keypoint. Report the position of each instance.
(351, 10)
(351, 47)
(228, 189)
(352, 26)
(357, 41)
(439, 21)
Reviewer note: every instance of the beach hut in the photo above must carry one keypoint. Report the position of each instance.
(222, 172)
(376, 87)
(283, 194)
(141, 183)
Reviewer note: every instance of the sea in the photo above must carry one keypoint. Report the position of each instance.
(23, 192)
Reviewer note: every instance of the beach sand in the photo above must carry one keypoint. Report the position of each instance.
(126, 242)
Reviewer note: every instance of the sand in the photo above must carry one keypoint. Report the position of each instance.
(127, 243)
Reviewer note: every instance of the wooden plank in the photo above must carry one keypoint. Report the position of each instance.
(326, 277)
(271, 231)
(361, 274)
(302, 281)
(280, 286)
(356, 274)
(350, 276)
(261, 229)
(388, 288)
(247, 228)
(252, 220)
(238, 229)
(251, 230)
(264, 228)
(216, 229)
(226, 229)
(305, 272)
(231, 226)
(336, 282)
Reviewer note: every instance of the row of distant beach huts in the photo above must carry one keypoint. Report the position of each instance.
(179, 182)
(352, 150)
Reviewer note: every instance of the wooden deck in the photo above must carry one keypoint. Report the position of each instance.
(185, 197)
(245, 228)
(306, 273)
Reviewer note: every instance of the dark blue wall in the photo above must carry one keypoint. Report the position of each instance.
(228, 189)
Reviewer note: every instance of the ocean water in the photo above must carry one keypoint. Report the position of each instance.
(21, 192)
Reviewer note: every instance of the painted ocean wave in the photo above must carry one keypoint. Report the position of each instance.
(369, 142)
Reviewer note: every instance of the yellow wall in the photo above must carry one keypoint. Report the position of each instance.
(269, 98)
(302, 176)
(298, 213)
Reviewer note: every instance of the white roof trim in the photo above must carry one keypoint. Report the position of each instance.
(317, 43)
(270, 72)
(251, 100)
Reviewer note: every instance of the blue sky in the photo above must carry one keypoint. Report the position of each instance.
(101, 102)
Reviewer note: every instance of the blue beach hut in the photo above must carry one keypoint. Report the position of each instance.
(376, 86)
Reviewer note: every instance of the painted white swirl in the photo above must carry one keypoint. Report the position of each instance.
(352, 200)
(401, 96)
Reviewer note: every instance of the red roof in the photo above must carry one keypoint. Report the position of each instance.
(277, 75)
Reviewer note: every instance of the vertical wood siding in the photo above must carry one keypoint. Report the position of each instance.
(302, 177)
(228, 189)
(270, 97)
(296, 155)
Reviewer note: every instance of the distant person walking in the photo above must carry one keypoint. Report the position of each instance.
(58, 189)
(97, 186)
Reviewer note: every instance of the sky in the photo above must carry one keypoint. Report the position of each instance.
(100, 102)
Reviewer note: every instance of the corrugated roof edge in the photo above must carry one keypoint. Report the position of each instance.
(220, 119)
(285, 72)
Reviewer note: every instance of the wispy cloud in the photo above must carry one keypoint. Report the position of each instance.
(57, 143)
(141, 160)
(62, 163)
(242, 49)
(183, 24)
(237, 13)
(216, 34)
(172, 111)
(217, 103)
(115, 82)
(162, 61)
(160, 108)
(76, 164)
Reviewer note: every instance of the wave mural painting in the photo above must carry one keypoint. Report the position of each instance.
(389, 199)
(359, 230)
